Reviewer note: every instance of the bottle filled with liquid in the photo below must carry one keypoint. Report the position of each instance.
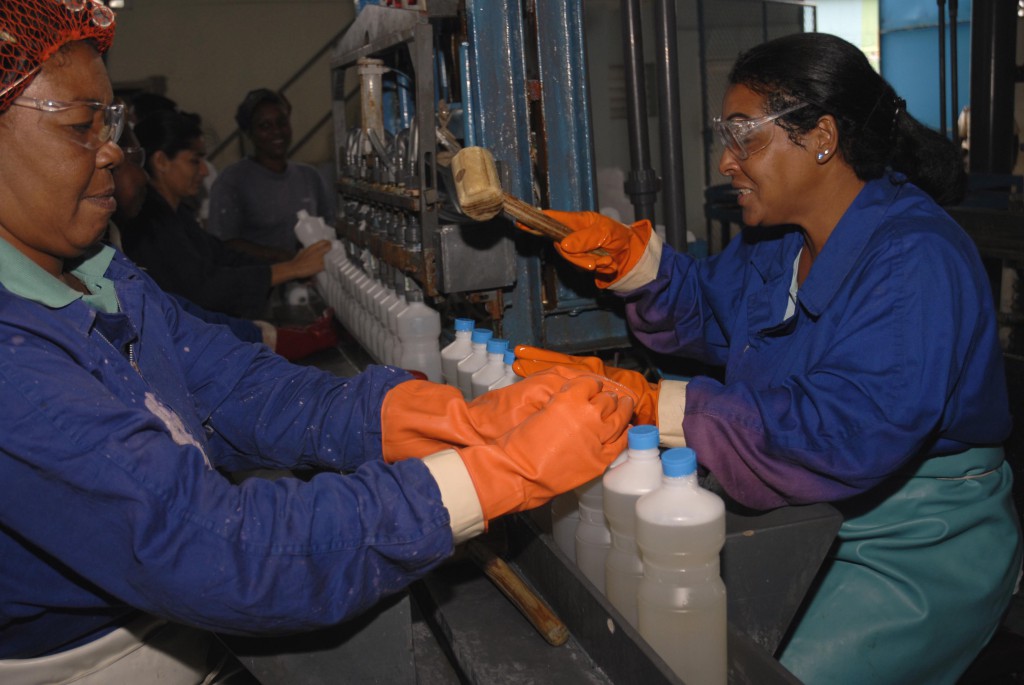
(681, 604)
(457, 350)
(475, 361)
(638, 475)
(509, 376)
(419, 328)
(593, 539)
(494, 369)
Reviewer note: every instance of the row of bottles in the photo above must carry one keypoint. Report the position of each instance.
(475, 361)
(648, 536)
(384, 310)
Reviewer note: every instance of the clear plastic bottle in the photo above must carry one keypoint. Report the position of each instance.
(682, 599)
(623, 486)
(593, 539)
(476, 359)
(457, 350)
(419, 328)
(509, 376)
(494, 369)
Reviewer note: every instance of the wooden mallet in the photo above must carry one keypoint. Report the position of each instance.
(481, 197)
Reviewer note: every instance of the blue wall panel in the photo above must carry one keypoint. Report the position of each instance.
(910, 55)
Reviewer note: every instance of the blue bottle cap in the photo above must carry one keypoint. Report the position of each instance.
(497, 346)
(643, 437)
(464, 324)
(510, 356)
(678, 462)
(481, 335)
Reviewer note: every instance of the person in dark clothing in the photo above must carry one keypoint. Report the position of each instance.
(167, 241)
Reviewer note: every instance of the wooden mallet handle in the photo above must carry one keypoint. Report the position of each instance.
(536, 611)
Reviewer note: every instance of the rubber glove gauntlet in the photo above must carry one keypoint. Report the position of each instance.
(534, 360)
(570, 441)
(419, 418)
(633, 255)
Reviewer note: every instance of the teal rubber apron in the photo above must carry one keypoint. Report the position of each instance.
(918, 581)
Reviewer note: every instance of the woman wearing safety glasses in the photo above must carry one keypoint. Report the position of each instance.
(856, 327)
(122, 544)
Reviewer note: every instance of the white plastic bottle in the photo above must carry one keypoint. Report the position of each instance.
(565, 516)
(494, 369)
(476, 359)
(623, 486)
(457, 350)
(419, 328)
(593, 538)
(682, 608)
(509, 376)
(393, 347)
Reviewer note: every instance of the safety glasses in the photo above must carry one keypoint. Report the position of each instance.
(100, 15)
(744, 137)
(87, 123)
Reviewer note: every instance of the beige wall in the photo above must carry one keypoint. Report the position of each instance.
(212, 52)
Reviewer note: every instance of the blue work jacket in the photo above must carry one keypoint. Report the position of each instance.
(892, 354)
(112, 431)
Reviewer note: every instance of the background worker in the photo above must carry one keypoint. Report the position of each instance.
(168, 242)
(253, 202)
(291, 342)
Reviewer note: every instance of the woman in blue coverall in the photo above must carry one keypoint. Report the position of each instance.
(121, 543)
(862, 367)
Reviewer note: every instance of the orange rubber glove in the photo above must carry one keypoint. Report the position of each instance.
(625, 245)
(419, 418)
(533, 360)
(567, 443)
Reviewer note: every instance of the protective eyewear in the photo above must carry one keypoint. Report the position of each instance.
(88, 123)
(100, 15)
(744, 137)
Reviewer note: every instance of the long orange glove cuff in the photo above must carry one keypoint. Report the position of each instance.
(420, 418)
(625, 245)
(533, 360)
(569, 442)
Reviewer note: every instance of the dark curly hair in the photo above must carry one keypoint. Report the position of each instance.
(255, 98)
(876, 133)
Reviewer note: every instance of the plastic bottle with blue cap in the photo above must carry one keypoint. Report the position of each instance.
(476, 359)
(638, 475)
(457, 350)
(509, 376)
(682, 600)
(494, 369)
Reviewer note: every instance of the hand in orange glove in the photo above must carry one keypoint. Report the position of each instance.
(626, 246)
(420, 418)
(533, 360)
(570, 441)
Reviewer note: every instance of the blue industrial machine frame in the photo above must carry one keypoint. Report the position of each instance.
(523, 75)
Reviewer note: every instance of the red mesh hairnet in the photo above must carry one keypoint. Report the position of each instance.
(31, 31)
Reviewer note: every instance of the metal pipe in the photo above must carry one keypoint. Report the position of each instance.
(641, 182)
(942, 67)
(670, 125)
(993, 51)
(954, 66)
